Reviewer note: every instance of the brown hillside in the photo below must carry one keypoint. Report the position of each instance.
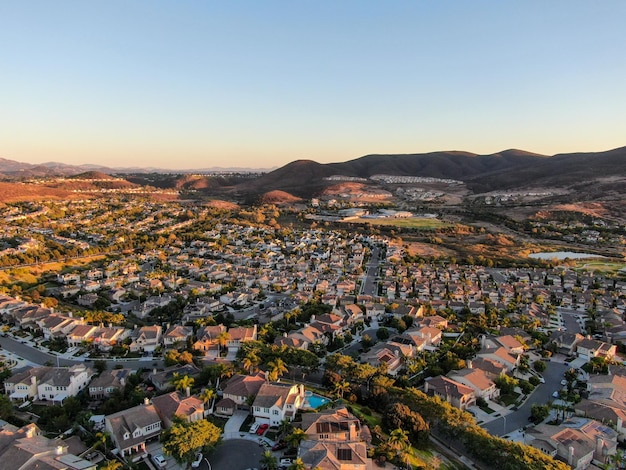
(279, 197)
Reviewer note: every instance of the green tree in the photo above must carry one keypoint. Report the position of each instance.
(277, 368)
(183, 439)
(268, 461)
(538, 413)
(181, 382)
(296, 437)
(112, 465)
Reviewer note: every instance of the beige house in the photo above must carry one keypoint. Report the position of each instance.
(131, 429)
(458, 395)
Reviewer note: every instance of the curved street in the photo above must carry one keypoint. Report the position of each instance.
(542, 394)
(37, 356)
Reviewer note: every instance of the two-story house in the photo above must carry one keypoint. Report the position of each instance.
(48, 383)
(109, 380)
(131, 429)
(276, 402)
(146, 338)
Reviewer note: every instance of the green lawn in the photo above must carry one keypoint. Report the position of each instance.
(422, 223)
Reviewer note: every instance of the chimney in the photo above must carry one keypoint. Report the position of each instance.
(570, 456)
(188, 391)
(154, 371)
(146, 401)
(599, 447)
(58, 450)
(352, 431)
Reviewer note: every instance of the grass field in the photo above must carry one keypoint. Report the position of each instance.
(603, 267)
(422, 223)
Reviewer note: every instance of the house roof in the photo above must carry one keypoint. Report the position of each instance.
(127, 421)
(274, 394)
(172, 404)
(244, 385)
(448, 387)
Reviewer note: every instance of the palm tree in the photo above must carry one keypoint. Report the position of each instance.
(399, 441)
(297, 464)
(222, 339)
(102, 438)
(277, 368)
(250, 362)
(268, 460)
(296, 437)
(181, 382)
(207, 395)
(285, 427)
(342, 387)
(111, 465)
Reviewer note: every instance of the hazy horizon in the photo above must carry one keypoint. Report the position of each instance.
(258, 85)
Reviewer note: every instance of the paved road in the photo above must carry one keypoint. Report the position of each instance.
(37, 356)
(541, 395)
(236, 454)
(369, 286)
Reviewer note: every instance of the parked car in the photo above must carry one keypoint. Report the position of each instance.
(542, 380)
(198, 460)
(279, 445)
(285, 462)
(254, 428)
(159, 460)
(266, 445)
(262, 429)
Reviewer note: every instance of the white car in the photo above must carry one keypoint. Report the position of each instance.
(198, 460)
(159, 460)
(285, 462)
(254, 428)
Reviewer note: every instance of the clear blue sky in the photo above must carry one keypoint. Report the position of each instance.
(196, 84)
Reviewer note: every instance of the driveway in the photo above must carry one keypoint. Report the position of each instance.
(233, 425)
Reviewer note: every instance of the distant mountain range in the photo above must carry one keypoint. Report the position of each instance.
(506, 170)
(593, 174)
(21, 170)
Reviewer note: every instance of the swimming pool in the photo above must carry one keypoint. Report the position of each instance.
(314, 401)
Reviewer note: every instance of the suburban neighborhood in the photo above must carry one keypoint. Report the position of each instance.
(293, 340)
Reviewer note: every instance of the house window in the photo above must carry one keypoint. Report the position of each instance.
(275, 412)
(266, 410)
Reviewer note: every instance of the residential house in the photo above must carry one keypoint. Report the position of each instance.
(131, 429)
(238, 391)
(334, 425)
(477, 380)
(146, 338)
(566, 342)
(387, 354)
(102, 386)
(207, 338)
(162, 380)
(589, 348)
(176, 334)
(48, 383)
(27, 448)
(239, 335)
(334, 455)
(455, 393)
(276, 402)
(80, 334)
(579, 442)
(175, 404)
(491, 368)
(105, 338)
